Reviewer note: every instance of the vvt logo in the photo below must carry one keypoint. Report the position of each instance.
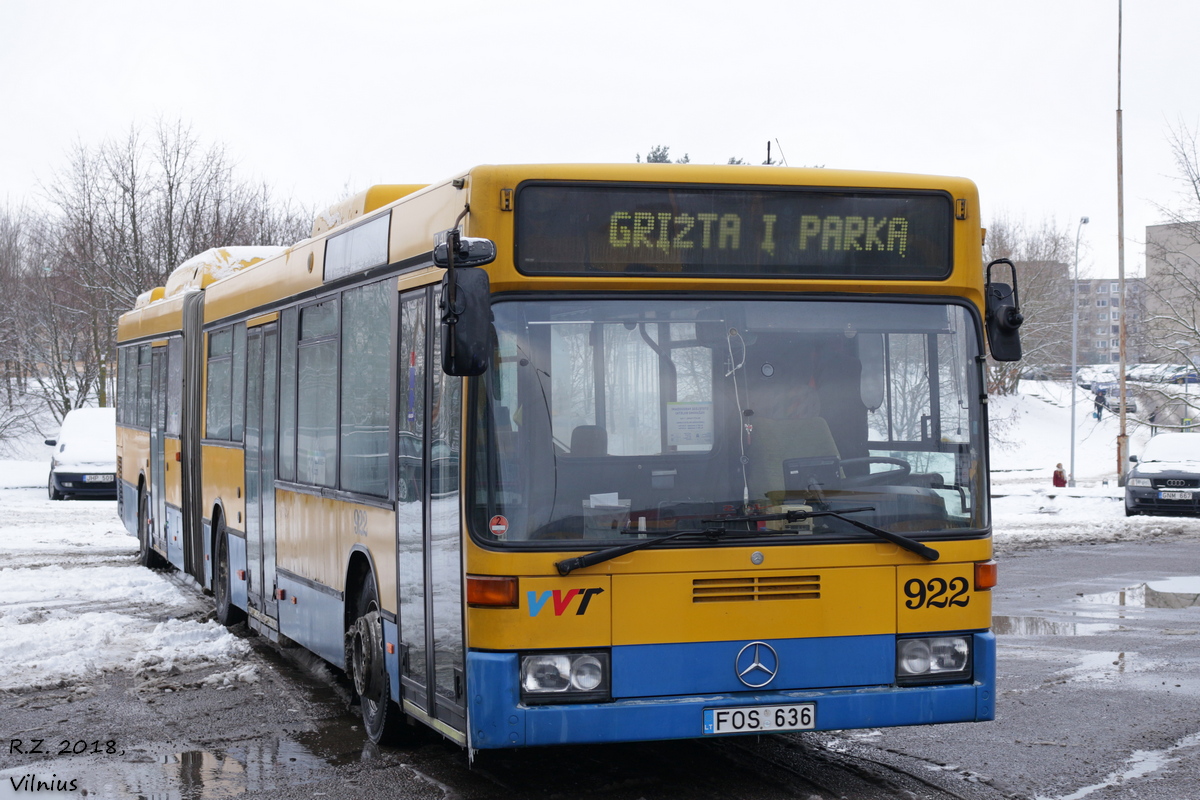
(562, 600)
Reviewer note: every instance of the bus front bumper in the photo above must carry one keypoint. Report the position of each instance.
(499, 719)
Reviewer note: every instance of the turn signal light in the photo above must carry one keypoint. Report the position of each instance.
(492, 591)
(985, 575)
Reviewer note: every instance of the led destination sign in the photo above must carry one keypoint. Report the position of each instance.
(733, 232)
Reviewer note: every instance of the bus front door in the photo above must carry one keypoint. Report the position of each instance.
(429, 550)
(262, 364)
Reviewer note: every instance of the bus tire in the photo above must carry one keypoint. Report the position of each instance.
(146, 555)
(383, 720)
(227, 613)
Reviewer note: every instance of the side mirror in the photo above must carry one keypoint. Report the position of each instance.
(467, 252)
(51, 442)
(466, 322)
(466, 302)
(1003, 315)
(1133, 459)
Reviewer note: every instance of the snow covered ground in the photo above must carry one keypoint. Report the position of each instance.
(1031, 433)
(74, 604)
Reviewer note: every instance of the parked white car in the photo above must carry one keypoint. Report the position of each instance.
(84, 463)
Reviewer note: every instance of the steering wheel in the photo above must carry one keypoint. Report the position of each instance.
(903, 468)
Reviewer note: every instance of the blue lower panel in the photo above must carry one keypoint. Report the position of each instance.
(392, 660)
(208, 554)
(128, 508)
(498, 719)
(314, 619)
(657, 670)
(174, 537)
(238, 594)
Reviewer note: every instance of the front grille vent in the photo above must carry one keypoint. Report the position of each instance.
(1175, 483)
(751, 588)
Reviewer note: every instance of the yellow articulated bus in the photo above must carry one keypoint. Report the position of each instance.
(565, 454)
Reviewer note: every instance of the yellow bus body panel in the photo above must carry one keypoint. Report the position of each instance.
(224, 470)
(156, 319)
(174, 470)
(133, 446)
(649, 596)
(557, 623)
(314, 537)
(946, 600)
(849, 601)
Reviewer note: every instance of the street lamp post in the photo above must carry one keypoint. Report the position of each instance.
(1075, 345)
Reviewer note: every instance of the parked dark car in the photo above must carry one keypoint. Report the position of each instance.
(1165, 479)
(84, 463)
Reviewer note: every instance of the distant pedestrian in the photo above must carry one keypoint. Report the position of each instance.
(1060, 476)
(1098, 402)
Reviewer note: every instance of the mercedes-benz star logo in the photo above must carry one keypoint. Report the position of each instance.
(756, 664)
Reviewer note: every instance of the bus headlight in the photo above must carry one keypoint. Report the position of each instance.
(564, 677)
(935, 659)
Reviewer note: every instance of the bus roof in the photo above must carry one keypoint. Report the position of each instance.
(362, 203)
(216, 263)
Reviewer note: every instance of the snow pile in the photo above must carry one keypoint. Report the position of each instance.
(56, 649)
(60, 625)
(74, 604)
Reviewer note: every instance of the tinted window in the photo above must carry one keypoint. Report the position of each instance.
(366, 383)
(287, 395)
(220, 384)
(316, 408)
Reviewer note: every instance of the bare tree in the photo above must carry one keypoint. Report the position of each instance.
(1171, 324)
(1043, 256)
(123, 214)
(14, 250)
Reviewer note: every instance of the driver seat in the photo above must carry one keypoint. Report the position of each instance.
(775, 440)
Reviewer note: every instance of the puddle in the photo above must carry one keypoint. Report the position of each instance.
(1041, 626)
(258, 765)
(1179, 592)
(191, 775)
(1142, 764)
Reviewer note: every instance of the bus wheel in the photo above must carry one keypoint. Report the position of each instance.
(146, 555)
(227, 613)
(382, 718)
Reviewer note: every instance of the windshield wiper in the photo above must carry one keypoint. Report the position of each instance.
(567, 565)
(798, 516)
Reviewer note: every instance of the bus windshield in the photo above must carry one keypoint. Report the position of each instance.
(609, 420)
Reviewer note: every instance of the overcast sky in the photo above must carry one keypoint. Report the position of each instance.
(317, 98)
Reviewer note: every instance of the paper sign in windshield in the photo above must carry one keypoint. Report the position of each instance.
(690, 424)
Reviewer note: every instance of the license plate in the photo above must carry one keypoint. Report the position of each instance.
(97, 478)
(1174, 495)
(759, 719)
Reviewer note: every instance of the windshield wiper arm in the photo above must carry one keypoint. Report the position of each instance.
(566, 566)
(911, 545)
